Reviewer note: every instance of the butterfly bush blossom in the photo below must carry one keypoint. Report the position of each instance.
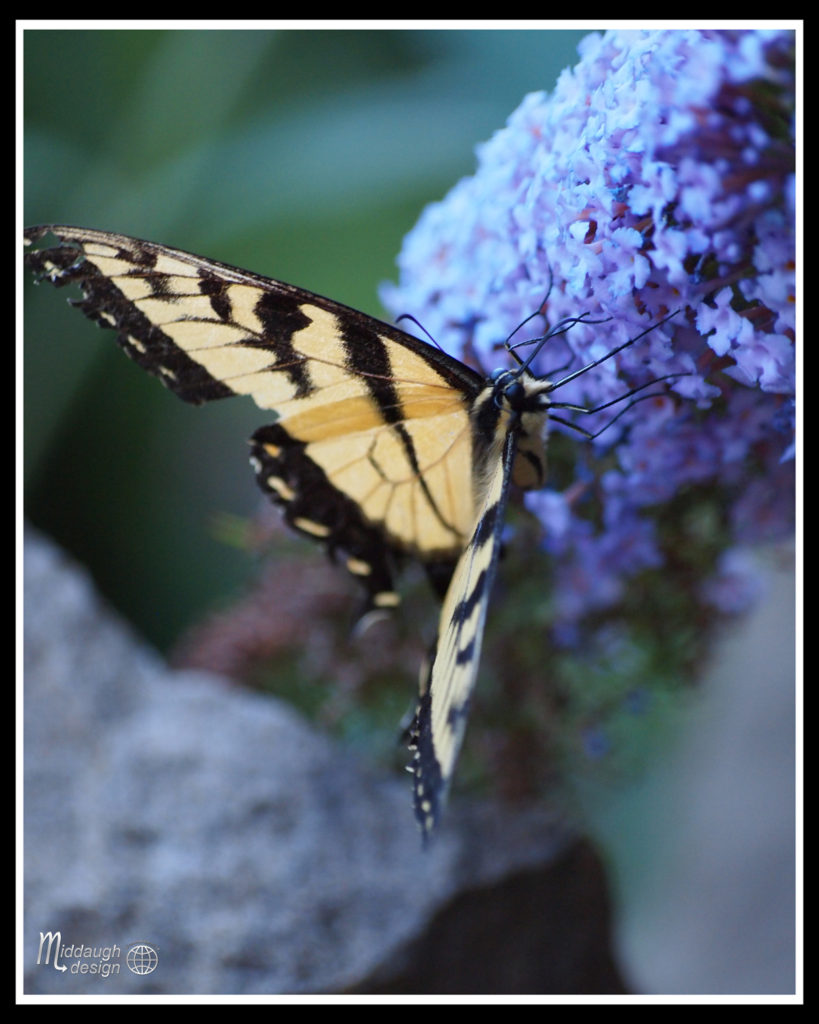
(658, 177)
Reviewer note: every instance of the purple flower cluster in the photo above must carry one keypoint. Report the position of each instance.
(657, 177)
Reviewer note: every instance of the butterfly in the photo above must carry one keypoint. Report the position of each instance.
(382, 446)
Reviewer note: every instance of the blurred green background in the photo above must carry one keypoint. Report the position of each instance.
(303, 155)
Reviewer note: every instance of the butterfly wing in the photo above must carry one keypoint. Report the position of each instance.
(446, 691)
(372, 449)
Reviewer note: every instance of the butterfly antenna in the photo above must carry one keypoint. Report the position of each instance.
(559, 328)
(620, 398)
(420, 326)
(591, 436)
(537, 312)
(607, 356)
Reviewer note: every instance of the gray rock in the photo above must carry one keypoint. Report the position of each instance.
(251, 853)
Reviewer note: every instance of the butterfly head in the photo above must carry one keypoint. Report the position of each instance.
(519, 394)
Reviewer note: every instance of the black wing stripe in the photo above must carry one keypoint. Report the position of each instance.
(368, 358)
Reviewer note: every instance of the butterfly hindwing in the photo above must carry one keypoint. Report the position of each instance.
(447, 688)
(316, 509)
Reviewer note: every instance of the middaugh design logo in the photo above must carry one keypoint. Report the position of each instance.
(140, 958)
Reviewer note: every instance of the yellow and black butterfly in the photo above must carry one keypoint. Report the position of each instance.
(383, 445)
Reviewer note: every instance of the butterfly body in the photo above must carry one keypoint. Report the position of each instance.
(383, 447)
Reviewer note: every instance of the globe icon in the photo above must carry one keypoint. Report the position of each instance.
(142, 959)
